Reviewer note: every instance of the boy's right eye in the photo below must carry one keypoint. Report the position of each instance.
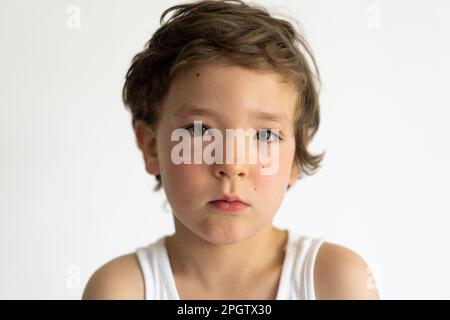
(197, 129)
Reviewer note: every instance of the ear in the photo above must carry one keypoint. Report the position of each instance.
(146, 141)
(295, 172)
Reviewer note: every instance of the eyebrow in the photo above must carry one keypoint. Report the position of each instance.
(268, 116)
(191, 110)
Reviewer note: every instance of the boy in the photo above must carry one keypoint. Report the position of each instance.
(225, 65)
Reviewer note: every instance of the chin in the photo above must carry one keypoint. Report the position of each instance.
(224, 235)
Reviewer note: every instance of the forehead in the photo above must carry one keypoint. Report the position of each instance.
(231, 91)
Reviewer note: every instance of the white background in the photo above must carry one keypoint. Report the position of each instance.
(74, 192)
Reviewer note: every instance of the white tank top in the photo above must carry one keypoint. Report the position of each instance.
(297, 275)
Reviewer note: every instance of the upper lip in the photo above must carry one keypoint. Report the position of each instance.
(230, 198)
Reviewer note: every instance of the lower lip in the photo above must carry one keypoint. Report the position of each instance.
(230, 206)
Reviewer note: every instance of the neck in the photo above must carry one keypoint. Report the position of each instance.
(191, 255)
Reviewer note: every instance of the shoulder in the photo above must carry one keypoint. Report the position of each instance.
(341, 274)
(120, 278)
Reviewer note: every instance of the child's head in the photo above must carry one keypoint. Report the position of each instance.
(247, 70)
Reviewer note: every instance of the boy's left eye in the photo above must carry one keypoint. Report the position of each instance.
(267, 134)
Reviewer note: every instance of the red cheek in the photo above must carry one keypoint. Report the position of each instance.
(187, 173)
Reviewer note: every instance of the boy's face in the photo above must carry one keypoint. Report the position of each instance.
(231, 94)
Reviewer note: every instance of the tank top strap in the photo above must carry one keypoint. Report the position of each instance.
(297, 277)
(157, 271)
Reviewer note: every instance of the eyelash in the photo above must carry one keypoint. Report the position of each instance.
(277, 136)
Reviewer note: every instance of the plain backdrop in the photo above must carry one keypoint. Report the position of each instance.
(74, 192)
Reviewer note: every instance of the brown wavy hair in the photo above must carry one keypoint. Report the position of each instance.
(202, 31)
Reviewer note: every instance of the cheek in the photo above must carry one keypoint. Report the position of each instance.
(279, 170)
(269, 190)
(187, 175)
(176, 174)
(181, 182)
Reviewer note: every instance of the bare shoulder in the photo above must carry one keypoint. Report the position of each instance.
(118, 279)
(341, 274)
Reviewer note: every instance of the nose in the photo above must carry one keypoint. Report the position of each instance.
(236, 166)
(235, 158)
(230, 171)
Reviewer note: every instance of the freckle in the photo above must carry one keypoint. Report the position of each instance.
(198, 74)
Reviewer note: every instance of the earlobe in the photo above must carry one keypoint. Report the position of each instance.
(146, 141)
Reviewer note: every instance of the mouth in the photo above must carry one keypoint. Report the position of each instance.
(229, 204)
